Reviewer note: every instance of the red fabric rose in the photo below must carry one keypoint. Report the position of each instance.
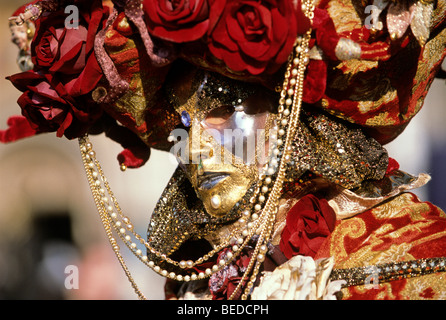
(52, 109)
(315, 81)
(57, 93)
(308, 223)
(19, 128)
(255, 36)
(181, 20)
(69, 53)
(223, 283)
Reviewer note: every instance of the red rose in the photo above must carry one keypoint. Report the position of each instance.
(223, 283)
(51, 109)
(61, 50)
(68, 53)
(181, 20)
(255, 36)
(57, 93)
(308, 223)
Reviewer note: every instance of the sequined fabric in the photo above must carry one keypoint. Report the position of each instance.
(389, 271)
(197, 91)
(338, 151)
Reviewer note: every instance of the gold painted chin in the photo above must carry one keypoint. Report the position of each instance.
(219, 199)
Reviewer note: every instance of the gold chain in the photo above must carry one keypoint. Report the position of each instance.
(291, 97)
(87, 157)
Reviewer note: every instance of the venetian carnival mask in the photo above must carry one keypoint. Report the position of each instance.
(228, 129)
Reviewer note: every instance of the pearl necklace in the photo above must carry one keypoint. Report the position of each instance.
(258, 220)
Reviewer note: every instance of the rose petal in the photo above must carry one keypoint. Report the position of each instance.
(179, 21)
(308, 223)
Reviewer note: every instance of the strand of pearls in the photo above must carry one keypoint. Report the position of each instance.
(92, 176)
(291, 98)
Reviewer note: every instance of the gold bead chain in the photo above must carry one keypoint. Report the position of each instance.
(87, 154)
(290, 97)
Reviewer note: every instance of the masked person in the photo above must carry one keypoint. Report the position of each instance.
(278, 113)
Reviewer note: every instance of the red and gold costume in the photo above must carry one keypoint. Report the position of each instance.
(343, 208)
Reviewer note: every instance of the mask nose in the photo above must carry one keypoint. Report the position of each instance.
(196, 149)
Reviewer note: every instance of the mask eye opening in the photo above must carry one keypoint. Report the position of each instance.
(219, 115)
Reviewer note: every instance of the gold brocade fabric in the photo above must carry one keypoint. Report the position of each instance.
(403, 229)
(383, 96)
(141, 109)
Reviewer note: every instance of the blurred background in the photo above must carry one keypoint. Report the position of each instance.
(48, 219)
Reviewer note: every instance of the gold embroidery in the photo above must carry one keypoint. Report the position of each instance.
(393, 208)
(121, 48)
(370, 105)
(355, 66)
(353, 228)
(425, 287)
(367, 256)
(380, 119)
(387, 292)
(385, 228)
(396, 252)
(367, 252)
(134, 102)
(430, 237)
(383, 292)
(432, 53)
(439, 12)
(344, 15)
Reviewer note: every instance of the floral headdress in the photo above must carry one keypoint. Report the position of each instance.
(110, 69)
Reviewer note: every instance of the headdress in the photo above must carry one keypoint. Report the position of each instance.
(365, 73)
(344, 88)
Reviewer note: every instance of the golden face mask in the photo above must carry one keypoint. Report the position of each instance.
(228, 138)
